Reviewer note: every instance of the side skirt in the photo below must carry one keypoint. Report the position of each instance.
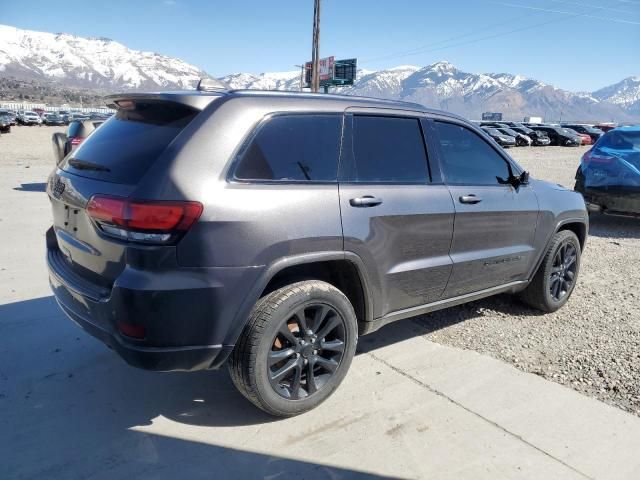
(377, 323)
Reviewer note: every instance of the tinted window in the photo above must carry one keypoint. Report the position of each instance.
(73, 129)
(125, 146)
(387, 149)
(466, 158)
(294, 148)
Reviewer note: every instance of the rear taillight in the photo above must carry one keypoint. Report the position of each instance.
(143, 221)
(590, 158)
(77, 140)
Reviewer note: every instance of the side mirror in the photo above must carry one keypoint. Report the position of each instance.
(524, 178)
(59, 141)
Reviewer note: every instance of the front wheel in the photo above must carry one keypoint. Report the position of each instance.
(296, 348)
(556, 277)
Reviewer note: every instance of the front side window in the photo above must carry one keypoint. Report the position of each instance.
(293, 148)
(387, 150)
(468, 159)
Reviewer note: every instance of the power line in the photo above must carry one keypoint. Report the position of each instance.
(427, 49)
(446, 40)
(597, 7)
(573, 14)
(474, 40)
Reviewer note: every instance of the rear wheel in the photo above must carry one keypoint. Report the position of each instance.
(556, 278)
(296, 348)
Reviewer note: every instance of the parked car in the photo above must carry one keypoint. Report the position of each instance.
(52, 119)
(605, 127)
(77, 132)
(65, 115)
(29, 118)
(8, 117)
(501, 139)
(584, 138)
(559, 136)
(609, 173)
(78, 117)
(594, 133)
(194, 229)
(538, 137)
(5, 123)
(522, 140)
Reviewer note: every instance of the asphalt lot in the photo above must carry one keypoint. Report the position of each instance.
(409, 407)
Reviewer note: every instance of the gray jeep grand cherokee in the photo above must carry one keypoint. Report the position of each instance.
(270, 229)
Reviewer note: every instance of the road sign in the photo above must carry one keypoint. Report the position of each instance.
(333, 73)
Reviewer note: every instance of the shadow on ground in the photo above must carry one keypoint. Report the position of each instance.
(70, 408)
(609, 226)
(425, 324)
(32, 187)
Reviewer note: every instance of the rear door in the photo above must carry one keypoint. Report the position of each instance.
(494, 228)
(394, 216)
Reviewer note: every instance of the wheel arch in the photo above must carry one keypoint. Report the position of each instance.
(343, 270)
(577, 226)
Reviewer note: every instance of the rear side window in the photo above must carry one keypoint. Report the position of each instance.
(468, 159)
(123, 148)
(293, 148)
(387, 150)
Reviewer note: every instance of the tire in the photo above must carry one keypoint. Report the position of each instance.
(263, 351)
(549, 293)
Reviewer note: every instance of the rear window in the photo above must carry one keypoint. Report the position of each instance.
(125, 146)
(621, 140)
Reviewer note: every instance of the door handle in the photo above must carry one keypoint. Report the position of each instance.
(366, 201)
(471, 198)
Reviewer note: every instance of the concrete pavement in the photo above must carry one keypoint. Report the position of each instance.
(409, 408)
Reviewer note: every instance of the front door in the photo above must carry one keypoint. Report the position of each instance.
(495, 223)
(394, 216)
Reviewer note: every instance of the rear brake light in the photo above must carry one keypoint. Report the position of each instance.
(589, 157)
(143, 221)
(77, 140)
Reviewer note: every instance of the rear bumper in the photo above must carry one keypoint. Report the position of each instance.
(149, 358)
(187, 313)
(613, 201)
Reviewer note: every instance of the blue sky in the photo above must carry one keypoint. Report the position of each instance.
(572, 44)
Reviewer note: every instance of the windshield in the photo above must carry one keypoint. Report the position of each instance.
(492, 131)
(621, 140)
(508, 131)
(568, 131)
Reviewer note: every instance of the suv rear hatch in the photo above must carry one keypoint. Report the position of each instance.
(92, 236)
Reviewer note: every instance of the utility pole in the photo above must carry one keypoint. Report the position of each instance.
(315, 77)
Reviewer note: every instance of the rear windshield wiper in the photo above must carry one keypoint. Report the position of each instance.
(84, 165)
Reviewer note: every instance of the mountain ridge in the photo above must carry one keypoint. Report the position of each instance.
(105, 65)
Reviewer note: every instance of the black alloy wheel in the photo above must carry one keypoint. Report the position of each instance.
(563, 271)
(306, 351)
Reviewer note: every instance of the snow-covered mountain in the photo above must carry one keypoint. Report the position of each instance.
(89, 62)
(442, 85)
(99, 63)
(625, 93)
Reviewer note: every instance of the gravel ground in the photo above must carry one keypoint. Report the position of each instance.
(590, 345)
